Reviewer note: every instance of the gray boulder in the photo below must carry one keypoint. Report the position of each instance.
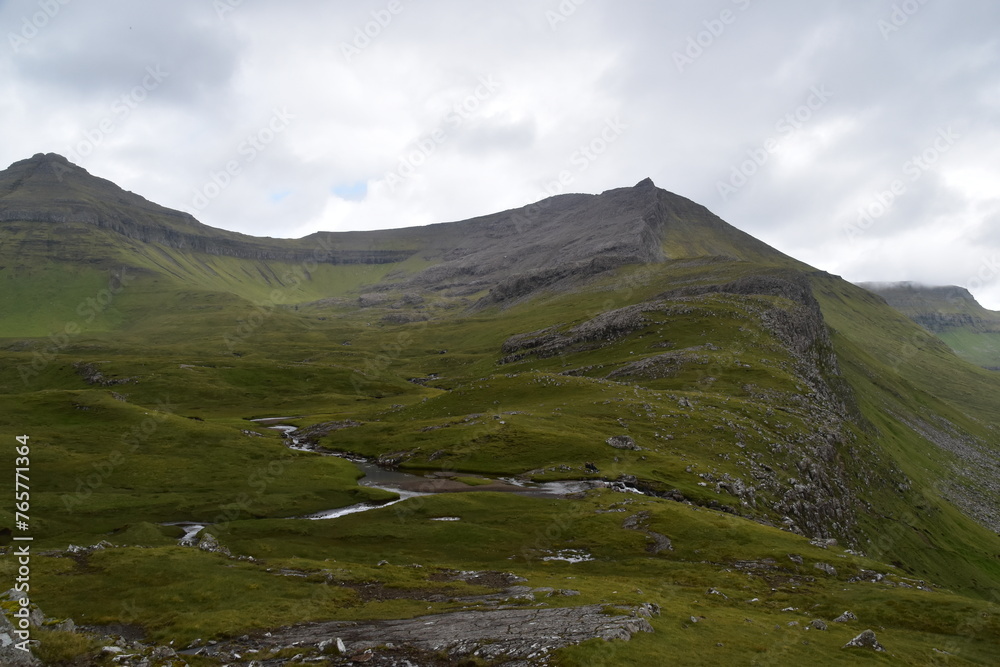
(866, 639)
(826, 567)
(623, 442)
(10, 654)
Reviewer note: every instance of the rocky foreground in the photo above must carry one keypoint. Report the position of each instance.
(514, 626)
(507, 636)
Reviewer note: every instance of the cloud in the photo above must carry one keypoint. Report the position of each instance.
(696, 89)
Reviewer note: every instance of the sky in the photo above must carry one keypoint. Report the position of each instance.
(860, 136)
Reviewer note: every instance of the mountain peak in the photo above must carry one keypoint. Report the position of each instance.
(646, 183)
(47, 157)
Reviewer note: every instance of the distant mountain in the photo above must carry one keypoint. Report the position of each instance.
(952, 314)
(558, 240)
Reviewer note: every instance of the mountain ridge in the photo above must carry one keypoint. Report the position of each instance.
(951, 313)
(557, 241)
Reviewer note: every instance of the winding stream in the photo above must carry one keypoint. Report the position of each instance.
(408, 485)
(405, 485)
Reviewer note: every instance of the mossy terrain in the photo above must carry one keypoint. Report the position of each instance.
(761, 408)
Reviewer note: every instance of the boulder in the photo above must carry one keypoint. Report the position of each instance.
(826, 567)
(208, 542)
(10, 654)
(866, 639)
(623, 442)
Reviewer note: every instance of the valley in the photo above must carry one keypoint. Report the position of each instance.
(726, 449)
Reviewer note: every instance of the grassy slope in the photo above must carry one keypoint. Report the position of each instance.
(911, 374)
(295, 363)
(977, 342)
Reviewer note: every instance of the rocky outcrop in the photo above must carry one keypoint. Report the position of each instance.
(93, 376)
(500, 636)
(623, 442)
(17, 630)
(866, 639)
(11, 648)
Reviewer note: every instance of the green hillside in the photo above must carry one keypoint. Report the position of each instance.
(950, 313)
(786, 446)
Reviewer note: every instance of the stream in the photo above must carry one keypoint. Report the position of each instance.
(405, 485)
(409, 486)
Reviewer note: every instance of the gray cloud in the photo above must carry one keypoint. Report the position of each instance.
(695, 89)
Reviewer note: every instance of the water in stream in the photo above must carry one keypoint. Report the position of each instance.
(398, 482)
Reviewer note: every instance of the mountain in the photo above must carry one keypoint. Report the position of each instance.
(950, 313)
(595, 430)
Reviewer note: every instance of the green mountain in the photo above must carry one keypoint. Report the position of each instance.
(950, 313)
(630, 433)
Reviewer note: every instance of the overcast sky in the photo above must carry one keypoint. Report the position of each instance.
(861, 136)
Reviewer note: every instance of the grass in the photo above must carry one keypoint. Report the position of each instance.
(202, 357)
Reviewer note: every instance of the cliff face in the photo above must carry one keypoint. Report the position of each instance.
(950, 313)
(937, 309)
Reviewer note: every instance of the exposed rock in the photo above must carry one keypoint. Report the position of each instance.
(659, 366)
(823, 543)
(163, 653)
(623, 442)
(866, 639)
(818, 625)
(500, 634)
(10, 654)
(93, 376)
(404, 318)
(845, 617)
(310, 435)
(208, 542)
(826, 567)
(660, 543)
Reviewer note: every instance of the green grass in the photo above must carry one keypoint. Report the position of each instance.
(175, 450)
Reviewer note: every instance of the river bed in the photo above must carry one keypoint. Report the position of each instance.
(405, 485)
